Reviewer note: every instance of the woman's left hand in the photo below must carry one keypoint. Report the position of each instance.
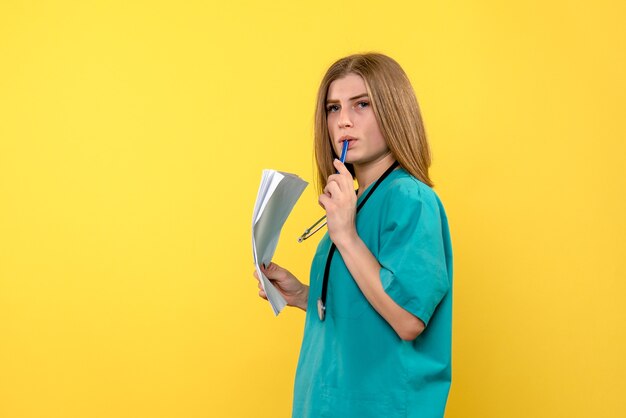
(339, 201)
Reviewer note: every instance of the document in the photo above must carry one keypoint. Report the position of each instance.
(278, 193)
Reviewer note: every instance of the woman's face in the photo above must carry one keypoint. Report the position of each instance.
(350, 117)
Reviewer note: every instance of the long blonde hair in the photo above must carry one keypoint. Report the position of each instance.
(395, 107)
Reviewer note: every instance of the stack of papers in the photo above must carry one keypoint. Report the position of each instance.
(278, 193)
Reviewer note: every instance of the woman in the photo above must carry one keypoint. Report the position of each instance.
(377, 340)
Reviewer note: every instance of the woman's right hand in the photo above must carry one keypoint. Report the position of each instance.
(295, 293)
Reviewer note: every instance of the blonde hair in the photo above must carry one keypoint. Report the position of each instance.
(395, 107)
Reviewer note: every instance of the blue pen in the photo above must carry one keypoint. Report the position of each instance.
(308, 233)
(344, 151)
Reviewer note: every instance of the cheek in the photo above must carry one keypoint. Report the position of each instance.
(374, 130)
(379, 142)
(331, 125)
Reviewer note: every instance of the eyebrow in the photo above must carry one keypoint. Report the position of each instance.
(350, 99)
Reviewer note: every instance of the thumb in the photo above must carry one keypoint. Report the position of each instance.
(269, 270)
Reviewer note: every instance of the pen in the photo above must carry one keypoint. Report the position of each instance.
(344, 151)
(306, 234)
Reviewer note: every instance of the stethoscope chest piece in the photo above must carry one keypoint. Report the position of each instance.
(321, 309)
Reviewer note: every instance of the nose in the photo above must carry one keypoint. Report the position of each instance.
(344, 120)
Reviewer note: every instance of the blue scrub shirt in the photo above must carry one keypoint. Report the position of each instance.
(353, 364)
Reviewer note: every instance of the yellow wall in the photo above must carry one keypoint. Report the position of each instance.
(132, 138)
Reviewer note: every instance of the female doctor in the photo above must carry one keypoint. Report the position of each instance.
(377, 336)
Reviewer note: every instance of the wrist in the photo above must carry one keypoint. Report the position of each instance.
(303, 298)
(346, 240)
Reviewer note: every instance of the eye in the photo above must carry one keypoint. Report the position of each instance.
(332, 108)
(362, 104)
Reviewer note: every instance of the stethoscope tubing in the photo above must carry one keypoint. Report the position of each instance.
(321, 302)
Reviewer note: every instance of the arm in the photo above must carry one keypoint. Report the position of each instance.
(366, 272)
(340, 204)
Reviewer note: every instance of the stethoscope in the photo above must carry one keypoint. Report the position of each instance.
(321, 302)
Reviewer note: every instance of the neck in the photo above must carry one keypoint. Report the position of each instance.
(368, 173)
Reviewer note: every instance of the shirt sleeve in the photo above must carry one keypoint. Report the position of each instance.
(412, 254)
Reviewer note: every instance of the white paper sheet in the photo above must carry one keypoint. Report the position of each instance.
(278, 193)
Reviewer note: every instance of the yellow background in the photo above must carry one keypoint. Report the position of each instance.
(132, 139)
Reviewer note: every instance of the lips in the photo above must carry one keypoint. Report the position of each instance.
(348, 138)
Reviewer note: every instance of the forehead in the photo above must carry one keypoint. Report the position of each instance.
(346, 87)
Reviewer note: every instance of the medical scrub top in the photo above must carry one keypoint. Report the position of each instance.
(353, 364)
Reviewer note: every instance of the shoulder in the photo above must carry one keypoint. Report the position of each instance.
(404, 191)
(413, 206)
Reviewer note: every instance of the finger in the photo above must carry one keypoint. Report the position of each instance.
(327, 189)
(333, 177)
(341, 167)
(266, 269)
(337, 179)
(345, 180)
(323, 200)
(333, 189)
(262, 294)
